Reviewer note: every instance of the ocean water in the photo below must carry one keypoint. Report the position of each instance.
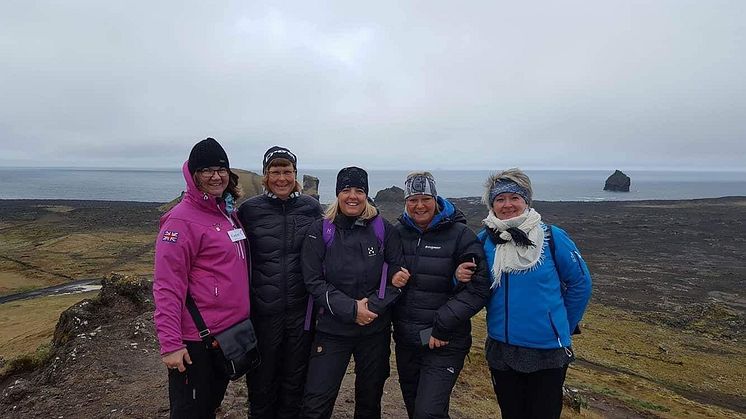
(549, 185)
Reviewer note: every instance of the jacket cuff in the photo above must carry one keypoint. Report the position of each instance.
(440, 334)
(168, 347)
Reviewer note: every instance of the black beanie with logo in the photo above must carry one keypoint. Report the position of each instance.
(278, 152)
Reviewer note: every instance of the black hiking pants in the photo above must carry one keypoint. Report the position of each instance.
(427, 377)
(197, 392)
(330, 356)
(276, 387)
(536, 395)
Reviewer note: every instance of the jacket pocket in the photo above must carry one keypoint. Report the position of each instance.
(554, 329)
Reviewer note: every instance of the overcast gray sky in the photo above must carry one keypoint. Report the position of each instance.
(385, 84)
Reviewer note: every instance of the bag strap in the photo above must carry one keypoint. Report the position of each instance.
(327, 231)
(379, 229)
(563, 284)
(204, 331)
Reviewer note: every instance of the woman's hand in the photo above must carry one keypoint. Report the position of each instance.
(400, 278)
(364, 316)
(465, 271)
(436, 343)
(177, 359)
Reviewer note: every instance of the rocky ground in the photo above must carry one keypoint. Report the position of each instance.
(674, 267)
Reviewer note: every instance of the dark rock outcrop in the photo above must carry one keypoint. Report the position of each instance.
(393, 194)
(617, 182)
(311, 186)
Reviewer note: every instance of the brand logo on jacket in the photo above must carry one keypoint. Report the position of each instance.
(371, 251)
(433, 247)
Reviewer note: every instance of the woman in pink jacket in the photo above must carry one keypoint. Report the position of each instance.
(200, 249)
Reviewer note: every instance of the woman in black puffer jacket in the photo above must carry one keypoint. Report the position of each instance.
(448, 285)
(276, 223)
(351, 259)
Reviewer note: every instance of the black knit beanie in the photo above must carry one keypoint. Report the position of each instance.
(278, 152)
(352, 177)
(207, 153)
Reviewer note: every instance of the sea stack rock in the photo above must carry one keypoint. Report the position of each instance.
(393, 194)
(617, 182)
(311, 186)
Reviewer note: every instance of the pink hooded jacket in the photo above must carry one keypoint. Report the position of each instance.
(193, 251)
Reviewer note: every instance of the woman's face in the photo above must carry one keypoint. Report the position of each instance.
(508, 205)
(212, 180)
(352, 201)
(281, 181)
(421, 208)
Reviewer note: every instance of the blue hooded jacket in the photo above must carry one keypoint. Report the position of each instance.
(539, 307)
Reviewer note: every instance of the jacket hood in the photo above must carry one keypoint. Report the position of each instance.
(447, 214)
(193, 193)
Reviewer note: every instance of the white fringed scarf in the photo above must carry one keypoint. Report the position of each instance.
(508, 256)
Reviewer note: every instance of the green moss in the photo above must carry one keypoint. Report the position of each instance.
(28, 362)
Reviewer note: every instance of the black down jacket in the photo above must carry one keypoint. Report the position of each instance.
(276, 230)
(349, 270)
(433, 297)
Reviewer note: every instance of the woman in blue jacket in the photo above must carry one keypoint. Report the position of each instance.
(540, 290)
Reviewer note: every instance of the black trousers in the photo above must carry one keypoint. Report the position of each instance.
(276, 387)
(427, 377)
(197, 392)
(536, 395)
(330, 356)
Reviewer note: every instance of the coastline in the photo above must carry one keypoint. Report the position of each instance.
(667, 312)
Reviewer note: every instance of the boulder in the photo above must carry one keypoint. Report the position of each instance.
(250, 182)
(617, 182)
(311, 186)
(393, 194)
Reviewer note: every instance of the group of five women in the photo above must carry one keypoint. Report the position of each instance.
(322, 287)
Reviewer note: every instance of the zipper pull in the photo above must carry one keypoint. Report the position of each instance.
(418, 241)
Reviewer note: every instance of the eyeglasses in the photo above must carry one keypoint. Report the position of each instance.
(208, 172)
(275, 174)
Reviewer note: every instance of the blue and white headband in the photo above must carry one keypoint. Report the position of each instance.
(419, 184)
(508, 186)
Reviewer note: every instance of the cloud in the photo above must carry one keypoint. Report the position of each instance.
(390, 84)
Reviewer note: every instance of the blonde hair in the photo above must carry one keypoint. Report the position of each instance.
(332, 211)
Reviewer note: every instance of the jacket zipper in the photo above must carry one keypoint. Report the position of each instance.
(283, 255)
(237, 244)
(416, 260)
(506, 276)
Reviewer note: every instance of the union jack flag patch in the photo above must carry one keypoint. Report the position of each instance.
(170, 236)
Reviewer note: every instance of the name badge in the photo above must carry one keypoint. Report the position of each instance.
(236, 235)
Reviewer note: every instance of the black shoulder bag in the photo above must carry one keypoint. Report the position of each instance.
(238, 343)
